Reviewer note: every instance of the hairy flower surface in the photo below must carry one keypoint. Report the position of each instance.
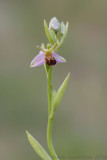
(50, 57)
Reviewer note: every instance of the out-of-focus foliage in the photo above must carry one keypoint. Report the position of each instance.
(80, 126)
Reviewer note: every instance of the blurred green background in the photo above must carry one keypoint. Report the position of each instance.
(80, 124)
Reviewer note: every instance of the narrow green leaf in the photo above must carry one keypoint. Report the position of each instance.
(48, 33)
(59, 95)
(64, 35)
(53, 95)
(38, 148)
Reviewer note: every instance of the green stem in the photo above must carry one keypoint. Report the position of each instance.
(50, 120)
(49, 90)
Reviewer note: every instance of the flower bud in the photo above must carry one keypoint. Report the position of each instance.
(54, 24)
(62, 27)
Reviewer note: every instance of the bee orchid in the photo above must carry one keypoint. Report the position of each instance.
(46, 56)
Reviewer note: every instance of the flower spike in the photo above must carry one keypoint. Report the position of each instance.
(56, 33)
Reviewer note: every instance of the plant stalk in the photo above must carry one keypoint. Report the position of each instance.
(50, 120)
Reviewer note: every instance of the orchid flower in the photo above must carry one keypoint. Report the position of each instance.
(46, 56)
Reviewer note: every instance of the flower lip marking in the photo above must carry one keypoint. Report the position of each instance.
(50, 60)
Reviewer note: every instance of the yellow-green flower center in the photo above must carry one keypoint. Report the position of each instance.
(48, 53)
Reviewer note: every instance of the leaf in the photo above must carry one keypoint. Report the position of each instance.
(64, 35)
(48, 33)
(38, 148)
(53, 95)
(59, 95)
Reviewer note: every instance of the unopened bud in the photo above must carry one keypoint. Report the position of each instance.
(54, 24)
(62, 27)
